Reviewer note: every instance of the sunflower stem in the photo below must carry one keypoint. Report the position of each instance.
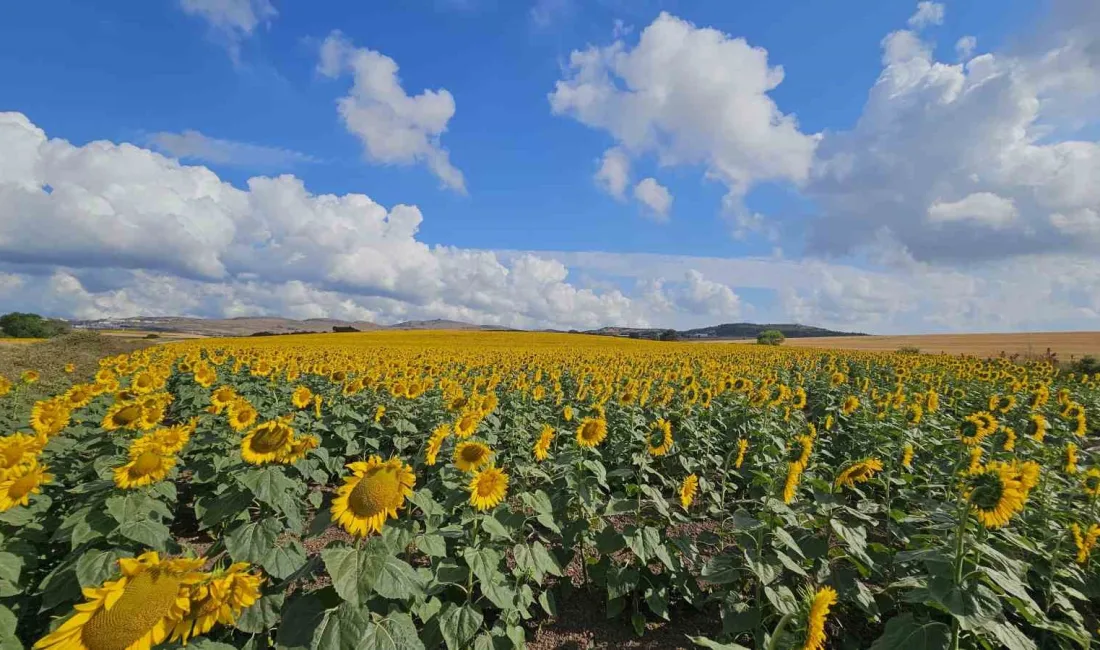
(777, 633)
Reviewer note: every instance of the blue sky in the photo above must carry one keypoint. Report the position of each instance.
(245, 80)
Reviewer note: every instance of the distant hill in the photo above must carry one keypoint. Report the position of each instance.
(724, 331)
(250, 325)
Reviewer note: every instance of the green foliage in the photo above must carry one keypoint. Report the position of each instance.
(31, 326)
(770, 337)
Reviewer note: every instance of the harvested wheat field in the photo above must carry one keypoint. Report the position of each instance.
(1066, 345)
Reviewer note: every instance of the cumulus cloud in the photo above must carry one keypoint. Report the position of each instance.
(394, 127)
(691, 96)
(655, 197)
(195, 146)
(231, 21)
(961, 162)
(965, 46)
(130, 231)
(614, 173)
(928, 13)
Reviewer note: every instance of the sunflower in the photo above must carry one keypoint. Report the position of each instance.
(907, 456)
(801, 453)
(174, 438)
(241, 414)
(742, 447)
(1072, 410)
(1037, 426)
(1001, 403)
(79, 396)
(5, 385)
(145, 467)
(470, 455)
(18, 449)
(859, 471)
(1080, 427)
(1010, 439)
(29, 376)
(851, 403)
(435, 442)
(799, 400)
(975, 460)
(49, 417)
(375, 491)
(70, 368)
(567, 413)
(136, 612)
(996, 493)
(21, 482)
(1091, 482)
(487, 488)
(542, 446)
(660, 437)
(143, 382)
(205, 375)
(122, 415)
(222, 397)
(932, 403)
(1071, 458)
(379, 413)
(914, 414)
(302, 397)
(790, 487)
(219, 598)
(270, 442)
(299, 447)
(975, 427)
(823, 601)
(688, 489)
(467, 424)
(591, 432)
(1084, 541)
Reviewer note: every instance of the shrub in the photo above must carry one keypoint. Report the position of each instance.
(152, 335)
(908, 349)
(1087, 364)
(31, 326)
(770, 337)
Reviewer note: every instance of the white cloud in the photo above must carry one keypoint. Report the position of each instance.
(195, 146)
(928, 13)
(231, 20)
(748, 223)
(394, 127)
(614, 172)
(544, 13)
(981, 207)
(156, 236)
(963, 162)
(703, 296)
(964, 47)
(691, 96)
(655, 197)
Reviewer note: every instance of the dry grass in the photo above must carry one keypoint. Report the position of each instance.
(48, 357)
(1067, 345)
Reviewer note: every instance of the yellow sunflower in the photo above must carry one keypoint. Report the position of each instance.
(70, 368)
(850, 405)
(488, 488)
(79, 396)
(302, 397)
(567, 413)
(688, 488)
(241, 414)
(1037, 426)
(49, 417)
(591, 432)
(222, 397)
(379, 413)
(219, 598)
(660, 437)
(435, 442)
(29, 376)
(5, 385)
(790, 487)
(136, 612)
(1085, 541)
(470, 455)
(542, 446)
(1071, 458)
(20, 483)
(466, 424)
(996, 493)
(823, 601)
(742, 447)
(374, 492)
(270, 442)
(18, 449)
(860, 471)
(907, 456)
(1091, 482)
(144, 468)
(122, 415)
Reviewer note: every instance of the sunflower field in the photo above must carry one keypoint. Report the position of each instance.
(408, 490)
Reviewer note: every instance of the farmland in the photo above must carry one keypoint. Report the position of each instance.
(1025, 344)
(459, 489)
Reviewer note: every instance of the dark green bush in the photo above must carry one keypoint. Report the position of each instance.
(31, 326)
(770, 337)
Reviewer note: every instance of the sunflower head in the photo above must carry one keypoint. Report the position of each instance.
(591, 432)
(542, 446)
(660, 437)
(21, 482)
(471, 455)
(488, 488)
(996, 493)
(688, 489)
(374, 492)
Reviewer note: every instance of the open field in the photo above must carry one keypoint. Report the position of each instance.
(1064, 344)
(415, 490)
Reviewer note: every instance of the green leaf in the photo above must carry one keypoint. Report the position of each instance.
(11, 565)
(484, 562)
(8, 621)
(96, 566)
(459, 624)
(301, 617)
(253, 541)
(372, 568)
(432, 545)
(268, 484)
(394, 632)
(643, 543)
(449, 572)
(262, 615)
(152, 534)
(207, 644)
(785, 537)
(544, 561)
(1008, 635)
(721, 569)
(538, 501)
(341, 628)
(230, 505)
(496, 529)
(283, 560)
(548, 603)
(855, 540)
(904, 633)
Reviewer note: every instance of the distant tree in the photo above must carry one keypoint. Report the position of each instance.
(770, 337)
(31, 326)
(668, 335)
(1088, 365)
(343, 328)
(908, 349)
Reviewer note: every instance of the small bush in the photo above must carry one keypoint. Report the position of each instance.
(152, 336)
(31, 326)
(1088, 365)
(908, 349)
(770, 337)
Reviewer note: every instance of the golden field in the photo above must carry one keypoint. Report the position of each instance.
(1025, 344)
(407, 490)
